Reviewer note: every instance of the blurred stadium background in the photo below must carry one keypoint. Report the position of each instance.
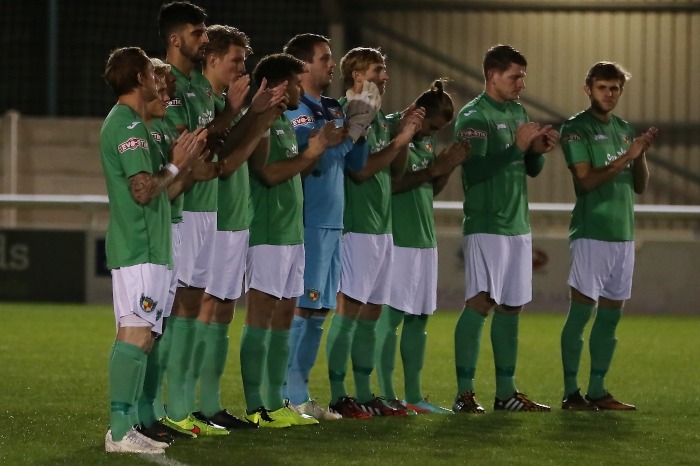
(53, 100)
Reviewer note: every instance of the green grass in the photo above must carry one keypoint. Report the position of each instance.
(54, 406)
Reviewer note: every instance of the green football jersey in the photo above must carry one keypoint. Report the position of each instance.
(234, 191)
(136, 234)
(368, 204)
(164, 134)
(413, 224)
(607, 212)
(494, 176)
(193, 107)
(277, 211)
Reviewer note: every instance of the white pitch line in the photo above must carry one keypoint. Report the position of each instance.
(162, 460)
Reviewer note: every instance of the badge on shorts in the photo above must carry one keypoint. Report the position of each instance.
(313, 294)
(147, 304)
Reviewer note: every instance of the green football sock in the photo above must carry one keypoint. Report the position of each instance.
(125, 368)
(178, 366)
(504, 339)
(253, 354)
(213, 366)
(363, 344)
(385, 351)
(276, 373)
(413, 339)
(572, 343)
(151, 385)
(602, 346)
(467, 344)
(338, 344)
(164, 353)
(135, 415)
(199, 347)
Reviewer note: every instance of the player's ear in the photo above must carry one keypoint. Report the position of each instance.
(587, 90)
(174, 40)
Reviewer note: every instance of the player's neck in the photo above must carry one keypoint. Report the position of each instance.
(312, 91)
(602, 116)
(216, 87)
(179, 61)
(134, 101)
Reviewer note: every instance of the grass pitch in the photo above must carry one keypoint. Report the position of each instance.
(54, 406)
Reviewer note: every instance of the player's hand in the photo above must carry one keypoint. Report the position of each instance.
(642, 142)
(337, 135)
(361, 109)
(320, 140)
(545, 143)
(238, 90)
(526, 133)
(188, 148)
(267, 98)
(411, 122)
(450, 158)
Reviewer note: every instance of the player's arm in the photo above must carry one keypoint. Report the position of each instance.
(255, 130)
(304, 123)
(534, 158)
(640, 169)
(356, 158)
(398, 147)
(145, 186)
(438, 173)
(272, 174)
(587, 177)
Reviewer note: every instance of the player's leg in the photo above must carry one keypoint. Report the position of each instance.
(616, 289)
(586, 275)
(137, 292)
(514, 277)
(321, 278)
(385, 350)
(477, 304)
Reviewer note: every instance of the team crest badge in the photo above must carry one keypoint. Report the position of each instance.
(147, 304)
(336, 112)
(314, 294)
(429, 147)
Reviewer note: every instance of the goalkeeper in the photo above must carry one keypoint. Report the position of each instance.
(367, 243)
(324, 201)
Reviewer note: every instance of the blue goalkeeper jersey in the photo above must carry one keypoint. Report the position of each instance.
(324, 196)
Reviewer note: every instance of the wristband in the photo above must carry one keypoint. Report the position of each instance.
(172, 168)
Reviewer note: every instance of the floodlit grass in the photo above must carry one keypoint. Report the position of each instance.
(54, 406)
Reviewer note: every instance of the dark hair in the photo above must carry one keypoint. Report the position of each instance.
(222, 37)
(607, 71)
(436, 101)
(276, 68)
(123, 67)
(176, 14)
(302, 46)
(500, 57)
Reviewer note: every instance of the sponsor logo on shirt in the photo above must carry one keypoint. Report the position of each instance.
(292, 152)
(132, 125)
(206, 117)
(174, 103)
(191, 94)
(571, 137)
(302, 120)
(469, 113)
(411, 145)
(501, 126)
(279, 132)
(600, 137)
(420, 165)
(132, 144)
(156, 136)
(471, 133)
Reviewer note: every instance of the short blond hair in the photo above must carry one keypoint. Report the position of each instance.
(160, 68)
(359, 59)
